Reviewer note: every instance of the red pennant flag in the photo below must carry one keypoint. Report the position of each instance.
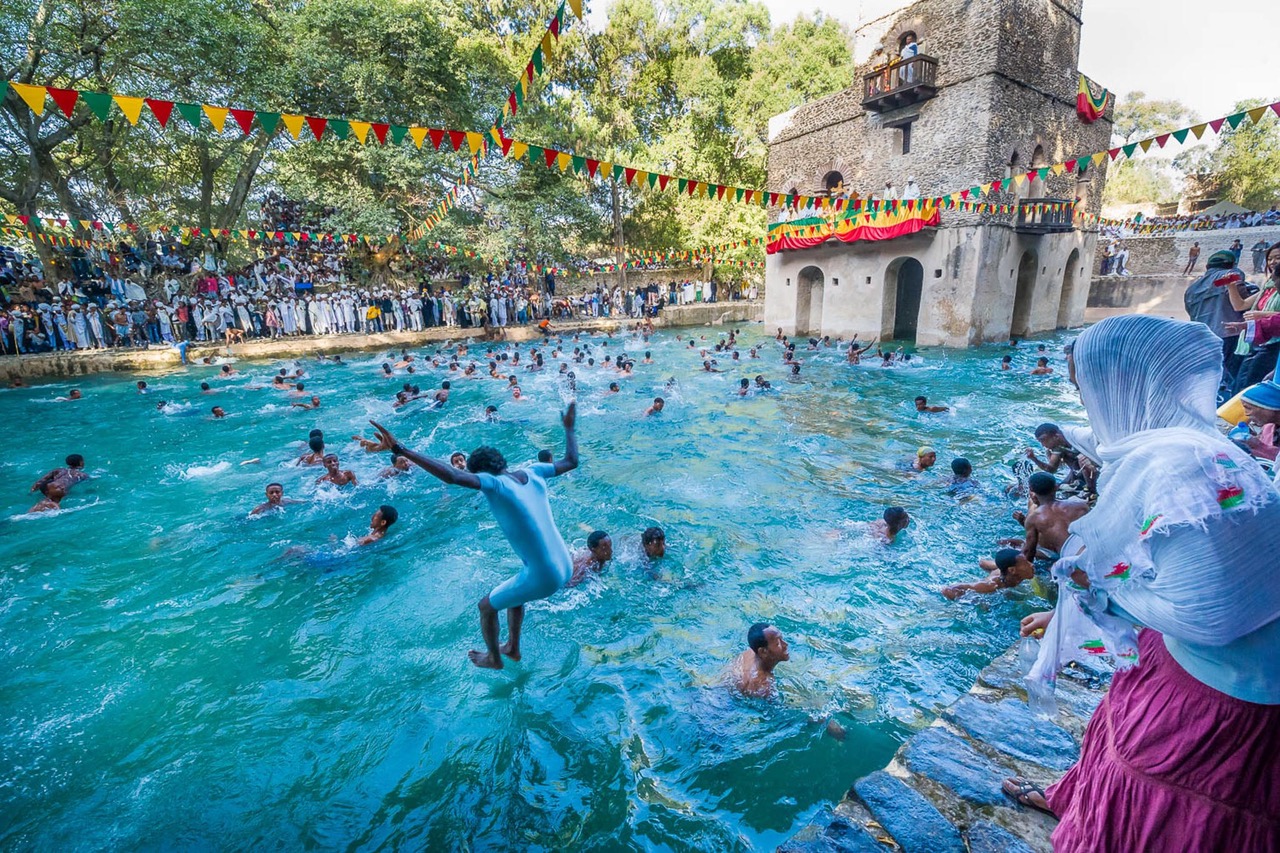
(317, 126)
(506, 146)
(662, 181)
(528, 72)
(1275, 108)
(1113, 153)
(244, 118)
(1162, 139)
(65, 99)
(380, 131)
(629, 175)
(692, 186)
(773, 199)
(437, 136)
(25, 220)
(720, 188)
(995, 186)
(1070, 165)
(456, 138)
(964, 194)
(549, 155)
(512, 104)
(1216, 124)
(161, 110)
(592, 165)
(554, 26)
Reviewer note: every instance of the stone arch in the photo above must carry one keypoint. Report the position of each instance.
(903, 294)
(1068, 290)
(810, 283)
(833, 182)
(1024, 295)
(915, 25)
(1038, 161)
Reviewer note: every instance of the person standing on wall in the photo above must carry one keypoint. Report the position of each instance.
(1193, 257)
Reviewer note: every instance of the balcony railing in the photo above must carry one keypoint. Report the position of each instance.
(1045, 216)
(901, 84)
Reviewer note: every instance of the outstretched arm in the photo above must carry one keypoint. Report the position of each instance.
(435, 467)
(570, 460)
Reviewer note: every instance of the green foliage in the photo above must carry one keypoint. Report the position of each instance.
(1245, 167)
(1138, 117)
(1139, 181)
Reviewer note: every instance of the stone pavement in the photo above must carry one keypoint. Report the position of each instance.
(941, 792)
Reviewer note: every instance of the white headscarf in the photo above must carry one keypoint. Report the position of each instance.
(1149, 386)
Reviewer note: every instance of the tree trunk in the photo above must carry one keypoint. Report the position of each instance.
(619, 244)
(244, 182)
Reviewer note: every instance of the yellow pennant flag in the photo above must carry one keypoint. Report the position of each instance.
(361, 130)
(293, 124)
(1145, 145)
(1099, 158)
(244, 233)
(1198, 130)
(418, 134)
(131, 107)
(605, 168)
(1058, 168)
(217, 116)
(518, 150)
(1255, 115)
(576, 7)
(33, 95)
(1019, 180)
(475, 140)
(546, 46)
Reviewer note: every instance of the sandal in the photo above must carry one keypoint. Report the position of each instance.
(1021, 790)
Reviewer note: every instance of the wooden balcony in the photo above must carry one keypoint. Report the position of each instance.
(1044, 216)
(901, 84)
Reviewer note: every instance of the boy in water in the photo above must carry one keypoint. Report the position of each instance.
(658, 404)
(335, 474)
(275, 500)
(753, 671)
(922, 405)
(65, 477)
(598, 554)
(1010, 567)
(52, 500)
(1042, 367)
(894, 522)
(383, 518)
(518, 500)
(316, 456)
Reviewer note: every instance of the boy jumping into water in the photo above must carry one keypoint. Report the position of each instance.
(519, 503)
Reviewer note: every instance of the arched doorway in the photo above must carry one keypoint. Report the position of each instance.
(1024, 295)
(809, 301)
(1038, 161)
(903, 286)
(1068, 291)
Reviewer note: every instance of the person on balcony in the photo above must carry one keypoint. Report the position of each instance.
(910, 50)
(911, 190)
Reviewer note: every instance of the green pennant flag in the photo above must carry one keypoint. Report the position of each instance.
(340, 128)
(653, 180)
(1129, 149)
(1181, 135)
(190, 113)
(682, 184)
(100, 103)
(537, 59)
(711, 190)
(519, 96)
(535, 154)
(398, 132)
(1235, 120)
(579, 164)
(1043, 174)
(738, 193)
(269, 122)
(1004, 185)
(619, 173)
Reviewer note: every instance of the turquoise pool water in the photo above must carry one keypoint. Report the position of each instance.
(174, 677)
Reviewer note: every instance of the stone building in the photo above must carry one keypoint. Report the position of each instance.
(992, 94)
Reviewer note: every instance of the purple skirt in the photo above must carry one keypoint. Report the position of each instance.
(1169, 763)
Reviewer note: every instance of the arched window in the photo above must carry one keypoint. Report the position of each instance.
(833, 183)
(1038, 161)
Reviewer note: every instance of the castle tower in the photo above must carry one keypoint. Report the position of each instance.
(992, 94)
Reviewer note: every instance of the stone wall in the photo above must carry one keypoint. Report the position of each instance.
(1167, 253)
(1156, 295)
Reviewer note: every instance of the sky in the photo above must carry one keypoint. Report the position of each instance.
(1206, 54)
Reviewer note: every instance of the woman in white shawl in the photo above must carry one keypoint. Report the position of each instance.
(1184, 751)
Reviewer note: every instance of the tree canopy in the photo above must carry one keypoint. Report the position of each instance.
(679, 86)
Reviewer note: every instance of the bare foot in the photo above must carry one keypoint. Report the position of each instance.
(483, 660)
(506, 649)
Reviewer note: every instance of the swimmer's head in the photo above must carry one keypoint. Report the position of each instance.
(1042, 485)
(384, 517)
(53, 490)
(544, 456)
(458, 460)
(600, 546)
(896, 518)
(1008, 359)
(316, 432)
(1005, 559)
(142, 386)
(654, 542)
(275, 492)
(1042, 362)
(218, 412)
(316, 443)
(74, 460)
(331, 462)
(926, 456)
(226, 368)
(444, 386)
(1050, 435)
(961, 467)
(204, 386)
(767, 642)
(486, 460)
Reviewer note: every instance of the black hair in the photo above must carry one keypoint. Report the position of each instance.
(613, 386)
(488, 409)
(204, 386)
(316, 432)
(1006, 559)
(1047, 429)
(1042, 484)
(1007, 358)
(269, 485)
(444, 386)
(652, 534)
(406, 386)
(74, 460)
(389, 514)
(1042, 361)
(226, 368)
(316, 443)
(284, 372)
(544, 456)
(141, 384)
(646, 353)
(486, 460)
(961, 467)
(922, 399)
(596, 537)
(745, 383)
(299, 386)
(756, 639)
(895, 515)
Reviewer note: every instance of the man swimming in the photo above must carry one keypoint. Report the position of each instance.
(399, 465)
(886, 529)
(314, 404)
(752, 674)
(654, 543)
(598, 554)
(218, 412)
(65, 477)
(1042, 367)
(658, 405)
(518, 500)
(925, 458)
(922, 405)
(458, 460)
(335, 474)
(316, 443)
(52, 500)
(1060, 452)
(1010, 567)
(383, 518)
(275, 500)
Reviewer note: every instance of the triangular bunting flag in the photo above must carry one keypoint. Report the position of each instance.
(563, 160)
(1128, 150)
(33, 95)
(475, 140)
(548, 156)
(519, 150)
(1198, 130)
(1216, 124)
(1145, 145)
(66, 99)
(437, 137)
(360, 129)
(217, 116)
(99, 103)
(131, 107)
(162, 110)
(456, 138)
(1181, 135)
(575, 6)
(592, 166)
(578, 163)
(292, 123)
(380, 132)
(269, 122)
(662, 182)
(244, 118)
(398, 133)
(340, 128)
(1234, 120)
(317, 126)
